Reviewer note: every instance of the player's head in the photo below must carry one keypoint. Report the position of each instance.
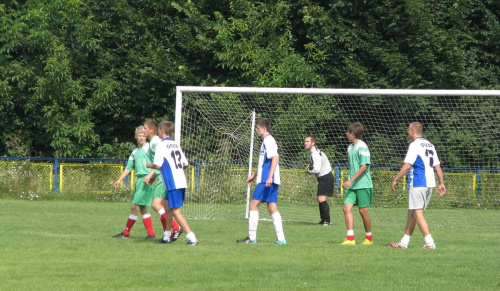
(150, 127)
(263, 127)
(140, 135)
(415, 129)
(356, 129)
(166, 127)
(309, 142)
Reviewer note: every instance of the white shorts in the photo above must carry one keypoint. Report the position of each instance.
(419, 197)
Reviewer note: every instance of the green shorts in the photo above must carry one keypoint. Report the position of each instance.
(159, 190)
(143, 193)
(360, 197)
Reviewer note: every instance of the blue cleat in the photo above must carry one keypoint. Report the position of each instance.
(280, 242)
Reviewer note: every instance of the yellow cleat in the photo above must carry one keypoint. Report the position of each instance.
(347, 242)
(367, 242)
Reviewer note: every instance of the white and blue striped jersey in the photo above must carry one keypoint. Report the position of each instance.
(171, 159)
(268, 149)
(423, 157)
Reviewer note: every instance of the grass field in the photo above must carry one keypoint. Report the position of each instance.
(62, 245)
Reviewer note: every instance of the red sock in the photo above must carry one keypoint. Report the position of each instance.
(163, 219)
(148, 223)
(128, 226)
(175, 225)
(368, 237)
(350, 237)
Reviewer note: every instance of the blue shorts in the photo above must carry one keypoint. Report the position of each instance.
(266, 194)
(175, 198)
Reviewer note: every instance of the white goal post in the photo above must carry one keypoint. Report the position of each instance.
(215, 128)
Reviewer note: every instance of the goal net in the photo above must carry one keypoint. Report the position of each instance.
(215, 128)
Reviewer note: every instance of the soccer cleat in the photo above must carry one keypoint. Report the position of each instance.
(347, 242)
(150, 237)
(325, 223)
(192, 243)
(398, 245)
(175, 235)
(163, 241)
(247, 240)
(432, 246)
(280, 242)
(367, 242)
(120, 235)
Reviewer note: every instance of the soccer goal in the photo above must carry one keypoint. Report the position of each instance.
(215, 126)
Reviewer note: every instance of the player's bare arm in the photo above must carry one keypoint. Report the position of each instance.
(404, 169)
(274, 164)
(439, 173)
(349, 182)
(251, 178)
(123, 175)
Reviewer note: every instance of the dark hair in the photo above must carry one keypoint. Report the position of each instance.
(151, 123)
(167, 127)
(313, 139)
(356, 128)
(264, 122)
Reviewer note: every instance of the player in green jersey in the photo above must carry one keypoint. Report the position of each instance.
(143, 195)
(359, 187)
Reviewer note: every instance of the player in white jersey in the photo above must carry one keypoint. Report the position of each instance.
(268, 181)
(171, 161)
(319, 166)
(423, 160)
(159, 192)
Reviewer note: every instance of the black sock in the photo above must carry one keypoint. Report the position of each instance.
(324, 211)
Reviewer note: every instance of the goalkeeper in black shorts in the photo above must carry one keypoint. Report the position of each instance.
(319, 166)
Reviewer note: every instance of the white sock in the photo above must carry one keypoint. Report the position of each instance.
(278, 226)
(368, 233)
(429, 240)
(350, 232)
(191, 237)
(167, 234)
(406, 239)
(132, 217)
(161, 211)
(147, 215)
(253, 223)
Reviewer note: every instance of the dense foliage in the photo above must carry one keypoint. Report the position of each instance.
(77, 76)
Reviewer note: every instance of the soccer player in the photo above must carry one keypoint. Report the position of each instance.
(143, 195)
(159, 192)
(359, 187)
(319, 166)
(268, 181)
(171, 161)
(423, 159)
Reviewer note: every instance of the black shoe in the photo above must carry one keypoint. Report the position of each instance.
(120, 235)
(150, 237)
(325, 223)
(175, 235)
(247, 240)
(163, 241)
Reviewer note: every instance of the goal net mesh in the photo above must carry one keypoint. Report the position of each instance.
(216, 137)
